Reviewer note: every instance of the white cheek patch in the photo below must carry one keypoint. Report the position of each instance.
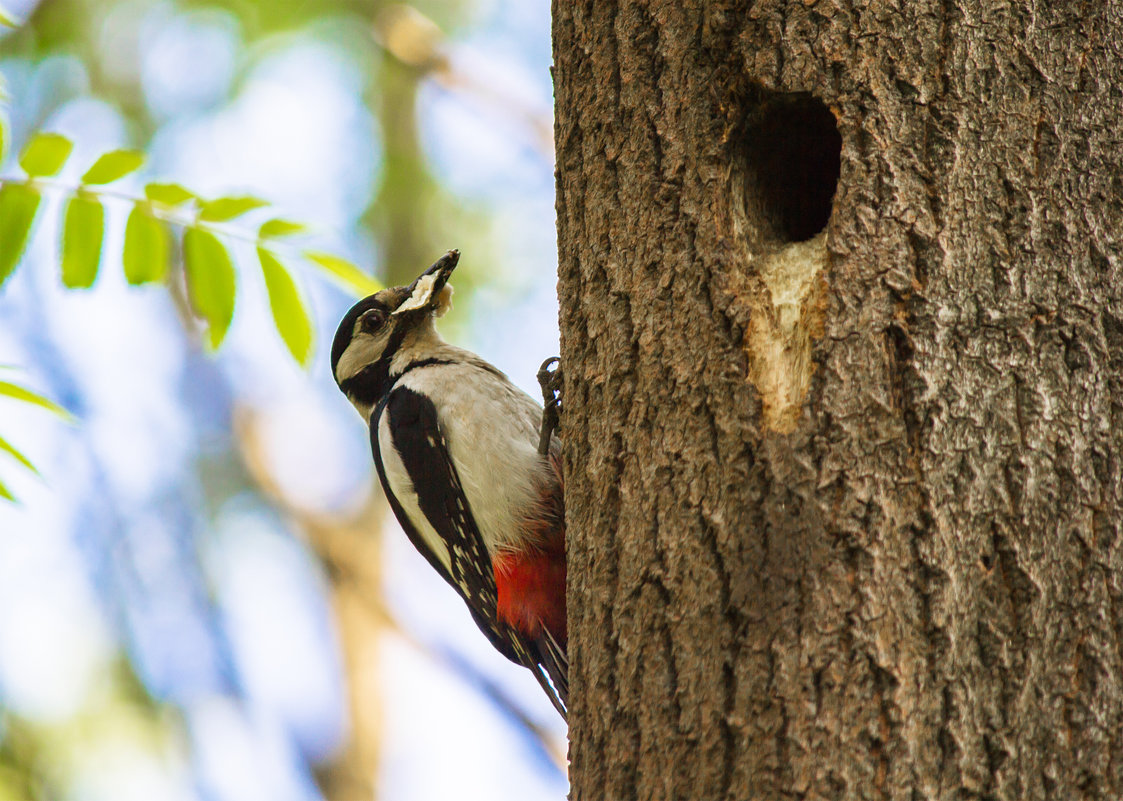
(363, 350)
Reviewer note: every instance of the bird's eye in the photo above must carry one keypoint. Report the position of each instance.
(373, 320)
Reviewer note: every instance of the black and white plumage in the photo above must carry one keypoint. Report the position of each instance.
(455, 445)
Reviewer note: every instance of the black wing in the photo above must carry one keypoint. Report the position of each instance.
(419, 442)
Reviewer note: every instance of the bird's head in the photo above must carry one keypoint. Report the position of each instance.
(380, 329)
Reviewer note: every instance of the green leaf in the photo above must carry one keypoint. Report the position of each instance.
(289, 312)
(45, 154)
(3, 124)
(18, 204)
(227, 208)
(27, 396)
(5, 493)
(112, 166)
(145, 256)
(8, 448)
(275, 228)
(81, 241)
(7, 20)
(210, 282)
(168, 194)
(345, 272)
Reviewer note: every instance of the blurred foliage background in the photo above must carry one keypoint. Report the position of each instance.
(204, 596)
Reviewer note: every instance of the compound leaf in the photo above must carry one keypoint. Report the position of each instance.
(210, 282)
(168, 194)
(7, 388)
(290, 315)
(18, 204)
(145, 256)
(45, 154)
(112, 166)
(345, 272)
(275, 228)
(227, 208)
(9, 449)
(82, 234)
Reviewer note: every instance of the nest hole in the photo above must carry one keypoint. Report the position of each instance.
(793, 156)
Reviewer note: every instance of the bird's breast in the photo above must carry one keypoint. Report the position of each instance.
(489, 428)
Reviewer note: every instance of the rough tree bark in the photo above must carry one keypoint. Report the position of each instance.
(844, 507)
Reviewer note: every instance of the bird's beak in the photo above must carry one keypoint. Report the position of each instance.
(429, 290)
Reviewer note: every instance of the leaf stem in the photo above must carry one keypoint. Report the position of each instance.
(162, 211)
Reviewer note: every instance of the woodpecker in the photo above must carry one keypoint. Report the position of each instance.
(469, 465)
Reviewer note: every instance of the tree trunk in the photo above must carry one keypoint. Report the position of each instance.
(844, 508)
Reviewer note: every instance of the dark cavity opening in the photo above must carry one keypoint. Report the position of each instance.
(794, 154)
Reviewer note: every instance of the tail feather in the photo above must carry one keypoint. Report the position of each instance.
(553, 671)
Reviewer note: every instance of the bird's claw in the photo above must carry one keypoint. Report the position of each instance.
(551, 382)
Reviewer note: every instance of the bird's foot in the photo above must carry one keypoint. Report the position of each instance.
(550, 379)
